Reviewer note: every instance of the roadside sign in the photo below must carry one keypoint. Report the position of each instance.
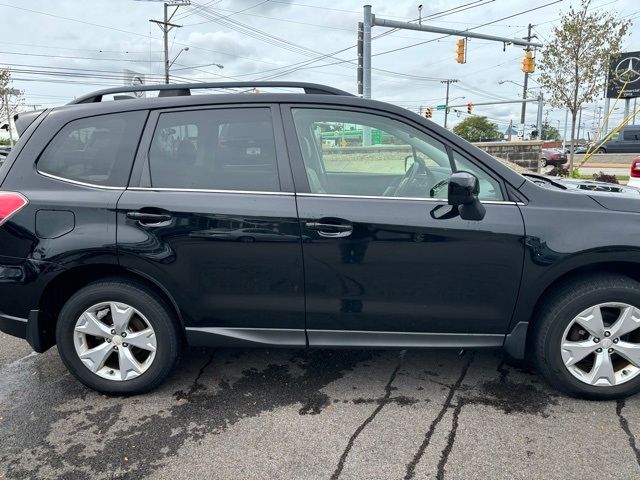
(441, 107)
(521, 131)
(624, 69)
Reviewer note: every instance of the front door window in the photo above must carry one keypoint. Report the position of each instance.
(355, 153)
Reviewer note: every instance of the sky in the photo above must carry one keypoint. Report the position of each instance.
(60, 49)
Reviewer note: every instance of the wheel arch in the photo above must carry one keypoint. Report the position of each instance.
(63, 286)
(517, 341)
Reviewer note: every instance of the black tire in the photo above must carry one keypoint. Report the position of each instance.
(543, 162)
(161, 317)
(555, 314)
(601, 150)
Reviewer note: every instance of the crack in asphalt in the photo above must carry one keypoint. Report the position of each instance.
(411, 466)
(624, 423)
(368, 420)
(508, 396)
(196, 385)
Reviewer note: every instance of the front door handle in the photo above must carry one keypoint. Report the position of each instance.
(330, 229)
(149, 218)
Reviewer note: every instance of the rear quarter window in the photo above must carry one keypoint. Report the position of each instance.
(97, 150)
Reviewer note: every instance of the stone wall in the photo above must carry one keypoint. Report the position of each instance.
(524, 154)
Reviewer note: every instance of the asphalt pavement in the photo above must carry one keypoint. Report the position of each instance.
(320, 414)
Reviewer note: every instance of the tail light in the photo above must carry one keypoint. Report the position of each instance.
(635, 167)
(10, 204)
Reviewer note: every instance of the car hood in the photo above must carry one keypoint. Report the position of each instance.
(621, 198)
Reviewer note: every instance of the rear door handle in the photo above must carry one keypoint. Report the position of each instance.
(149, 218)
(331, 230)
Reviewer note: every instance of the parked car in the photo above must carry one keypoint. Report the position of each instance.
(552, 156)
(107, 210)
(627, 140)
(634, 173)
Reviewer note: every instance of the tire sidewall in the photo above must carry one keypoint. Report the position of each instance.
(155, 312)
(552, 352)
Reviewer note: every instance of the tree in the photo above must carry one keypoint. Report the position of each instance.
(13, 97)
(477, 129)
(574, 63)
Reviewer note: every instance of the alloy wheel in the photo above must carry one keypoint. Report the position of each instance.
(601, 345)
(115, 341)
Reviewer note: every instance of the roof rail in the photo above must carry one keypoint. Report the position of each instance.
(177, 89)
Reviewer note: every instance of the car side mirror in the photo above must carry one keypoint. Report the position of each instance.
(464, 188)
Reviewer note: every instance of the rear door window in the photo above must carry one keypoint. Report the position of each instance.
(216, 149)
(96, 150)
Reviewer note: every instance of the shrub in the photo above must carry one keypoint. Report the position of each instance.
(605, 177)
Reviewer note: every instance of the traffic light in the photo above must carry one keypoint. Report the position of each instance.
(469, 108)
(528, 63)
(461, 47)
(429, 112)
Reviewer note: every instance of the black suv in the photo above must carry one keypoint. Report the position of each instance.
(129, 228)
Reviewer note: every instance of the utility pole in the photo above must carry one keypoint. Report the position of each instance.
(523, 111)
(579, 122)
(366, 52)
(166, 26)
(360, 49)
(446, 102)
(564, 132)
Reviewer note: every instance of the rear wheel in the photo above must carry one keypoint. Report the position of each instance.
(116, 336)
(543, 162)
(587, 341)
(601, 150)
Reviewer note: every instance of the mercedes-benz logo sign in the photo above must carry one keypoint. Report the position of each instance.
(628, 70)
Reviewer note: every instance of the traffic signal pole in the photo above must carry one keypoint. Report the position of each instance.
(523, 112)
(370, 20)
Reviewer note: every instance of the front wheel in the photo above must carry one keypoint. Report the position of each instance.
(117, 337)
(587, 340)
(543, 162)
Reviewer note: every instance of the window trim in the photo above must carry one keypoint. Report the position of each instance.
(140, 176)
(89, 184)
(302, 186)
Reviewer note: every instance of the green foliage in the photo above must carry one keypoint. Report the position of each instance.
(477, 129)
(5, 141)
(574, 63)
(550, 133)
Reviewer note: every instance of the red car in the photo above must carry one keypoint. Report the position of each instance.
(552, 156)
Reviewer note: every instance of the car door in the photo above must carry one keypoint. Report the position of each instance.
(385, 261)
(202, 177)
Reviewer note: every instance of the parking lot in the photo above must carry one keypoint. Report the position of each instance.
(311, 415)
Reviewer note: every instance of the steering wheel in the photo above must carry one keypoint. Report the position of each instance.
(437, 187)
(411, 174)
